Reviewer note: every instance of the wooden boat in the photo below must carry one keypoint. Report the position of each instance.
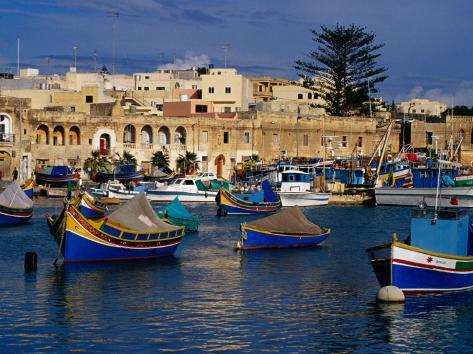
(133, 231)
(295, 190)
(28, 187)
(178, 215)
(465, 180)
(288, 228)
(231, 203)
(56, 176)
(89, 206)
(123, 173)
(436, 257)
(15, 206)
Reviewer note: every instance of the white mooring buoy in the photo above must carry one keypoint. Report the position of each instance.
(390, 293)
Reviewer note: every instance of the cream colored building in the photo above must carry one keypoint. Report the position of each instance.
(227, 90)
(422, 106)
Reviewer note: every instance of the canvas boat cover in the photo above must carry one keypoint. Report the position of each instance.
(14, 196)
(138, 215)
(175, 209)
(291, 220)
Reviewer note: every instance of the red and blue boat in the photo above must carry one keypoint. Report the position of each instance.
(15, 206)
(259, 202)
(286, 229)
(28, 188)
(133, 231)
(57, 176)
(125, 173)
(436, 257)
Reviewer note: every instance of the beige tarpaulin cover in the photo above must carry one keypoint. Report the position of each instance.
(138, 215)
(14, 196)
(291, 220)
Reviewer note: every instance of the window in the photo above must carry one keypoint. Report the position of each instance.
(300, 96)
(159, 107)
(146, 77)
(228, 90)
(139, 88)
(227, 109)
(201, 108)
(211, 89)
(360, 141)
(275, 139)
(309, 96)
(188, 182)
(344, 141)
(146, 88)
(226, 137)
(422, 111)
(306, 139)
(89, 99)
(205, 136)
(246, 137)
(428, 138)
(159, 88)
(316, 96)
(322, 141)
(414, 111)
(194, 87)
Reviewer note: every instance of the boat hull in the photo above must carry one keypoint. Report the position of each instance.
(137, 176)
(251, 238)
(90, 208)
(59, 181)
(12, 216)
(303, 199)
(84, 242)
(417, 271)
(414, 196)
(233, 205)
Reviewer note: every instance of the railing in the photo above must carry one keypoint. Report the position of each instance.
(179, 147)
(7, 139)
(147, 146)
(129, 146)
(165, 148)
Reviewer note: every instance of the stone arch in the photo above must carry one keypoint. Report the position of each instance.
(58, 135)
(42, 134)
(6, 128)
(106, 138)
(164, 136)
(147, 135)
(180, 136)
(220, 162)
(74, 135)
(129, 134)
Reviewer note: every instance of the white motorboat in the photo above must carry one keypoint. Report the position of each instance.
(295, 190)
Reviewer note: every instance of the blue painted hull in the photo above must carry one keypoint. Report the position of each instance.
(29, 192)
(90, 213)
(234, 210)
(9, 217)
(122, 177)
(79, 249)
(422, 280)
(252, 239)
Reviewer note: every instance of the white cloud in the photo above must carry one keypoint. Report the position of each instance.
(461, 95)
(187, 62)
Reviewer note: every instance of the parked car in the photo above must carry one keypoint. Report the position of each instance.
(206, 176)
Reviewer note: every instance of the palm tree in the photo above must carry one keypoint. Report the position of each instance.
(95, 162)
(254, 158)
(188, 162)
(160, 159)
(126, 158)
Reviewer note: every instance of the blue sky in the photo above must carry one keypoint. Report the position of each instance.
(427, 43)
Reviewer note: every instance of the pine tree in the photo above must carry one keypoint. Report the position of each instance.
(342, 66)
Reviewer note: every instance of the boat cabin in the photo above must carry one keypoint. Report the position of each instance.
(449, 233)
(295, 181)
(428, 177)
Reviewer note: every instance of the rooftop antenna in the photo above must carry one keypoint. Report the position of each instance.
(18, 56)
(225, 50)
(114, 16)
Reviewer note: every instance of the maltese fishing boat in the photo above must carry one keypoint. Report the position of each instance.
(437, 256)
(178, 215)
(56, 176)
(295, 190)
(28, 188)
(125, 173)
(133, 231)
(15, 206)
(259, 202)
(288, 228)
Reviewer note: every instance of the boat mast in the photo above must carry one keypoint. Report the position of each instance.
(388, 132)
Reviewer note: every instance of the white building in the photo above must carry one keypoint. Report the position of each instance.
(422, 106)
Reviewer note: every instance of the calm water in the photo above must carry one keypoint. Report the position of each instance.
(211, 298)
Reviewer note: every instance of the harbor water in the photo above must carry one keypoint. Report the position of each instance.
(212, 298)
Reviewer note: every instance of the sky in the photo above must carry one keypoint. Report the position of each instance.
(427, 43)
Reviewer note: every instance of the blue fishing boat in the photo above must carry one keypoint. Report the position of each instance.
(288, 228)
(436, 257)
(28, 188)
(259, 202)
(125, 173)
(178, 215)
(133, 231)
(56, 176)
(89, 206)
(15, 206)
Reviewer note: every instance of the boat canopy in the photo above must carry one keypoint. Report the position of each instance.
(138, 215)
(289, 221)
(14, 196)
(56, 171)
(177, 210)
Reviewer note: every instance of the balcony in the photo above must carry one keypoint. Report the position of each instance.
(7, 139)
(146, 146)
(129, 146)
(179, 147)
